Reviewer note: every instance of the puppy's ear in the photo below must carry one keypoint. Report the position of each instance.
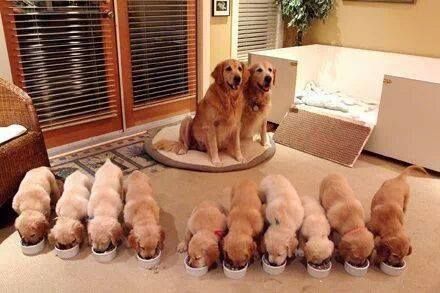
(274, 73)
(291, 246)
(51, 237)
(246, 74)
(382, 250)
(78, 232)
(41, 227)
(217, 74)
(116, 234)
(212, 254)
(132, 241)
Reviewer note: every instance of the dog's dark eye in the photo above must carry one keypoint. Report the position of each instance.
(259, 70)
(270, 69)
(229, 68)
(240, 69)
(32, 235)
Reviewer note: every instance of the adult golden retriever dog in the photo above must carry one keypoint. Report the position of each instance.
(257, 103)
(388, 208)
(216, 125)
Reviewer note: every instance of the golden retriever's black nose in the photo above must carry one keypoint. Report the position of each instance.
(267, 79)
(237, 79)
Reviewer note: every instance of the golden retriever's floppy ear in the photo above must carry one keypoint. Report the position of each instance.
(246, 73)
(382, 250)
(116, 233)
(132, 240)
(78, 231)
(291, 246)
(212, 253)
(274, 73)
(41, 227)
(217, 74)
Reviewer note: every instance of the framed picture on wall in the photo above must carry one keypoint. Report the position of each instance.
(220, 8)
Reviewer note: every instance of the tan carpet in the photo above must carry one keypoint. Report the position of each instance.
(178, 191)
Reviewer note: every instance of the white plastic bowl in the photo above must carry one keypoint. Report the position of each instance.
(270, 269)
(317, 273)
(149, 263)
(234, 274)
(392, 271)
(195, 272)
(33, 249)
(67, 253)
(105, 257)
(356, 271)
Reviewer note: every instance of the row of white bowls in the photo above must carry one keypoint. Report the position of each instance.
(104, 257)
(233, 274)
(276, 270)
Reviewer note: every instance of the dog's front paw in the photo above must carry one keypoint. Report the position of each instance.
(241, 159)
(217, 162)
(182, 247)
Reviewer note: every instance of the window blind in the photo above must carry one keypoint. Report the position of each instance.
(257, 26)
(64, 58)
(163, 49)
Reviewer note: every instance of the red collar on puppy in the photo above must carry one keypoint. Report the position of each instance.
(219, 233)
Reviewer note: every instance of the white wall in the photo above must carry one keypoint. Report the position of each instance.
(5, 68)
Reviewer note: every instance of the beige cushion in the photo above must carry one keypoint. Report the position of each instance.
(252, 150)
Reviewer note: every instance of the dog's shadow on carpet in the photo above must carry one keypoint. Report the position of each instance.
(169, 257)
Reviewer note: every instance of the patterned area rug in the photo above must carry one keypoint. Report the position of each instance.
(127, 153)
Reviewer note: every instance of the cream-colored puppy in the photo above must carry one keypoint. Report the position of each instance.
(71, 210)
(37, 191)
(141, 215)
(105, 206)
(314, 233)
(284, 213)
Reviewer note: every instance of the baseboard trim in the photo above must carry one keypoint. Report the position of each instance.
(110, 137)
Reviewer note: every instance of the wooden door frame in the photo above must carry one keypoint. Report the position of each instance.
(58, 136)
(157, 111)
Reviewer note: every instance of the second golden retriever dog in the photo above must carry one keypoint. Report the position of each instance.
(104, 208)
(141, 216)
(37, 192)
(206, 227)
(346, 216)
(315, 232)
(71, 210)
(245, 224)
(257, 101)
(216, 125)
(284, 213)
(388, 208)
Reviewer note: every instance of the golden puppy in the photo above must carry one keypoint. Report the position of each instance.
(314, 233)
(37, 191)
(206, 227)
(346, 216)
(216, 125)
(257, 101)
(104, 208)
(71, 210)
(388, 207)
(284, 213)
(141, 215)
(245, 223)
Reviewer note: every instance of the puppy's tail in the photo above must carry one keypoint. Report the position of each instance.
(410, 169)
(178, 147)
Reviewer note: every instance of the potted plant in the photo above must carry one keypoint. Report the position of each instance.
(302, 13)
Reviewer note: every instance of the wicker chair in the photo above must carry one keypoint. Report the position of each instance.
(25, 152)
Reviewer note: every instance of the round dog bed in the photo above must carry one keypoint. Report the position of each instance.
(252, 150)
